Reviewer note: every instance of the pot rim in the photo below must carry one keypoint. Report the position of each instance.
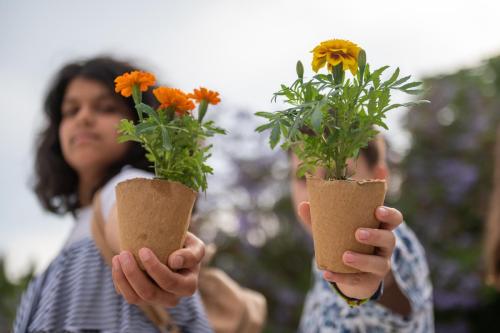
(350, 180)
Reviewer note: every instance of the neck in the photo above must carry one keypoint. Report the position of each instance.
(88, 181)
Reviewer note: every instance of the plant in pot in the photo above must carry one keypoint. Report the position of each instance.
(330, 117)
(155, 213)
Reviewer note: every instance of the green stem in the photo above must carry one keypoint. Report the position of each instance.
(137, 96)
(170, 112)
(157, 159)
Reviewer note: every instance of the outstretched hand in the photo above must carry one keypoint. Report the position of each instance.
(373, 268)
(161, 283)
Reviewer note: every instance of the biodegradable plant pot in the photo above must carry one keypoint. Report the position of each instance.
(153, 213)
(338, 208)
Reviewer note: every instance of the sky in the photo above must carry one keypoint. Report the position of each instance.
(243, 49)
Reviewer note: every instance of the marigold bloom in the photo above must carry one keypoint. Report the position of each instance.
(172, 97)
(212, 97)
(336, 51)
(124, 83)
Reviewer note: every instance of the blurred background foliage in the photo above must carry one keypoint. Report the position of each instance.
(441, 184)
(446, 182)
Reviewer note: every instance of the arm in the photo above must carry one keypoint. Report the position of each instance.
(393, 298)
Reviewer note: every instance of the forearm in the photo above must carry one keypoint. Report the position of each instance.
(393, 298)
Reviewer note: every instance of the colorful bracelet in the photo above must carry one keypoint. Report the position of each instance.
(354, 302)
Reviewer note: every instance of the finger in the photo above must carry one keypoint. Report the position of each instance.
(384, 240)
(122, 284)
(304, 211)
(167, 280)
(137, 279)
(115, 267)
(367, 263)
(350, 279)
(190, 256)
(391, 218)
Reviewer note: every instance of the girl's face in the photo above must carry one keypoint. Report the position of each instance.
(88, 129)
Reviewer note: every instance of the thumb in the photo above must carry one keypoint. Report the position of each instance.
(304, 211)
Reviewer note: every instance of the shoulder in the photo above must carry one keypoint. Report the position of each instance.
(128, 172)
(108, 197)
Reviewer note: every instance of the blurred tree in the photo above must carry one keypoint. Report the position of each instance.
(446, 182)
(10, 294)
(251, 220)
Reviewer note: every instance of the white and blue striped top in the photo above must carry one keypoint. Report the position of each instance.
(76, 293)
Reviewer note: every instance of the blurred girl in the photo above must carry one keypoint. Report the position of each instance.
(77, 155)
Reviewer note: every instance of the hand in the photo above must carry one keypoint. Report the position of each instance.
(373, 267)
(160, 284)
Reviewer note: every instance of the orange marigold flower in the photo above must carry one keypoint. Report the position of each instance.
(172, 97)
(212, 97)
(124, 83)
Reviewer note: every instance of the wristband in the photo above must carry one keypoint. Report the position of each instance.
(353, 302)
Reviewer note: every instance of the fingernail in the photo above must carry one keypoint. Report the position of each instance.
(382, 211)
(363, 234)
(349, 257)
(177, 262)
(124, 259)
(144, 254)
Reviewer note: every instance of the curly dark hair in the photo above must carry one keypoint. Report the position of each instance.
(55, 182)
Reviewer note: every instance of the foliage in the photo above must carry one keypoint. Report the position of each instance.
(331, 118)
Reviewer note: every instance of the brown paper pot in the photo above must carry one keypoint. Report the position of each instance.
(153, 213)
(338, 208)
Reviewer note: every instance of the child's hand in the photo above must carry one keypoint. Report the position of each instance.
(162, 284)
(374, 267)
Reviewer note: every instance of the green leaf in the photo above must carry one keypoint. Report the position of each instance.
(303, 169)
(378, 72)
(275, 135)
(263, 114)
(308, 92)
(392, 78)
(317, 118)
(323, 78)
(412, 92)
(165, 138)
(393, 106)
(293, 131)
(146, 127)
(416, 103)
(287, 92)
(126, 137)
(401, 81)
(381, 124)
(126, 126)
(262, 128)
(144, 108)
(410, 85)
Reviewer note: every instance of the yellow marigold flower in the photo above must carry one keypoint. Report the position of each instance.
(124, 83)
(212, 97)
(172, 97)
(336, 51)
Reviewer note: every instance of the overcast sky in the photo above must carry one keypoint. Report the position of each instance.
(243, 49)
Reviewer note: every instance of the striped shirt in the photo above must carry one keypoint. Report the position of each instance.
(76, 292)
